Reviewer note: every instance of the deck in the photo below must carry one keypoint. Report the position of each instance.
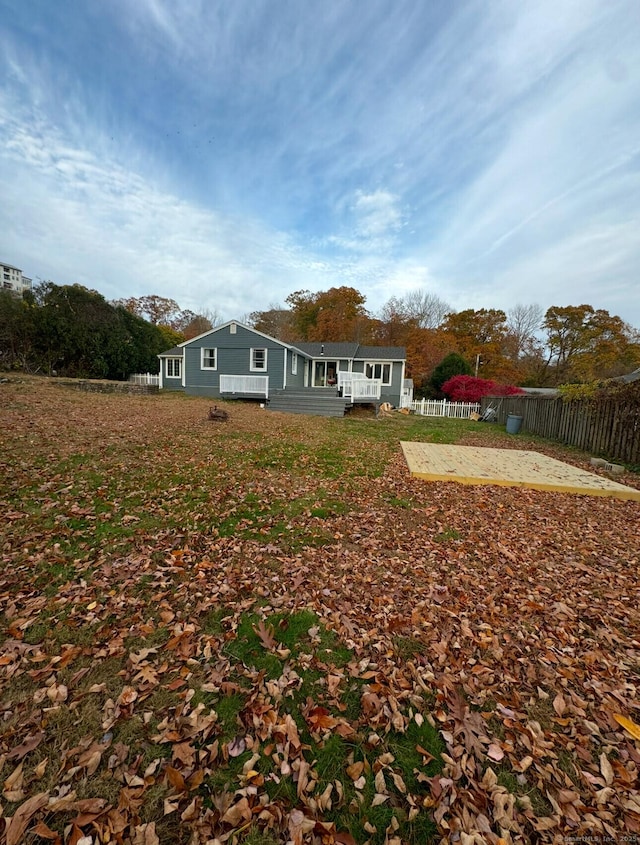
(507, 468)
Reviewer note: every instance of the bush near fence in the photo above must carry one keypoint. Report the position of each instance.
(608, 425)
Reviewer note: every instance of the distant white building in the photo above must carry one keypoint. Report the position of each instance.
(12, 279)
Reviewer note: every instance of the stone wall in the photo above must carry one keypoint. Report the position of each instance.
(95, 386)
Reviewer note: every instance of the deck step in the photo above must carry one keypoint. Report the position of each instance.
(307, 402)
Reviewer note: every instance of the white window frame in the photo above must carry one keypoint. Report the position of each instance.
(370, 371)
(252, 359)
(174, 367)
(294, 363)
(204, 358)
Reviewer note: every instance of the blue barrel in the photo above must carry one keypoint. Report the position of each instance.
(513, 424)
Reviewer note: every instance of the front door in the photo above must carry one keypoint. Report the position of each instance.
(325, 373)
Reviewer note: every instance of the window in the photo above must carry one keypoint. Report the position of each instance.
(294, 363)
(381, 371)
(174, 367)
(232, 328)
(209, 359)
(258, 360)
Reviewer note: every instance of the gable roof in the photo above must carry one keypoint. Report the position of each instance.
(242, 326)
(328, 349)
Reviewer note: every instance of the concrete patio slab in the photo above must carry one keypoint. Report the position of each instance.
(507, 468)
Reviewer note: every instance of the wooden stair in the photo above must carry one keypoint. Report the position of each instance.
(320, 402)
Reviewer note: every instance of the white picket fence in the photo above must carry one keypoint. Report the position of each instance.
(443, 408)
(145, 378)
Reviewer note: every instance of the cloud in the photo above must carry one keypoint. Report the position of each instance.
(488, 152)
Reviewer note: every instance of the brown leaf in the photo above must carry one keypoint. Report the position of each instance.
(175, 779)
(606, 769)
(22, 816)
(355, 770)
(145, 834)
(559, 704)
(265, 634)
(31, 742)
(45, 832)
(237, 813)
(495, 752)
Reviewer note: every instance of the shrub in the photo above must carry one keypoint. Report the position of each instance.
(471, 389)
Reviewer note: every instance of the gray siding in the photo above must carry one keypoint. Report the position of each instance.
(295, 381)
(233, 359)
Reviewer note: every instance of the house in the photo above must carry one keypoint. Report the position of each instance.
(629, 377)
(236, 361)
(13, 279)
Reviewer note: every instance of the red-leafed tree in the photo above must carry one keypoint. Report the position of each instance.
(471, 389)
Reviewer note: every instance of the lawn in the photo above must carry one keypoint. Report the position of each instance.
(265, 631)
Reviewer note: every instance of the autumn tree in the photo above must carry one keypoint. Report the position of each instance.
(276, 321)
(192, 325)
(337, 314)
(585, 344)
(483, 336)
(158, 310)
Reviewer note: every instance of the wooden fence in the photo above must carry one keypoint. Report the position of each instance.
(610, 428)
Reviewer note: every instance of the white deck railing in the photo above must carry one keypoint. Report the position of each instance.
(359, 388)
(258, 385)
(443, 408)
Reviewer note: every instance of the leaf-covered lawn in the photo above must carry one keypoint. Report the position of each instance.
(265, 631)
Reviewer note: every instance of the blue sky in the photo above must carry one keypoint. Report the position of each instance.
(226, 154)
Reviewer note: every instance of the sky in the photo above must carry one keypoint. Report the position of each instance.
(226, 153)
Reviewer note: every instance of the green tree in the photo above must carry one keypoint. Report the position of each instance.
(17, 332)
(453, 365)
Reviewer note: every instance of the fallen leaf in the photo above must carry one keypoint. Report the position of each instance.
(22, 816)
(628, 725)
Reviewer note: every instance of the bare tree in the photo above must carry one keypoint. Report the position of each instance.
(523, 321)
(427, 309)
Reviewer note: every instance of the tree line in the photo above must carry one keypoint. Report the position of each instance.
(75, 331)
(72, 331)
(524, 345)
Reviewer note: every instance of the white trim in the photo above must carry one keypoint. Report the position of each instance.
(284, 370)
(174, 359)
(252, 367)
(213, 349)
(294, 363)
